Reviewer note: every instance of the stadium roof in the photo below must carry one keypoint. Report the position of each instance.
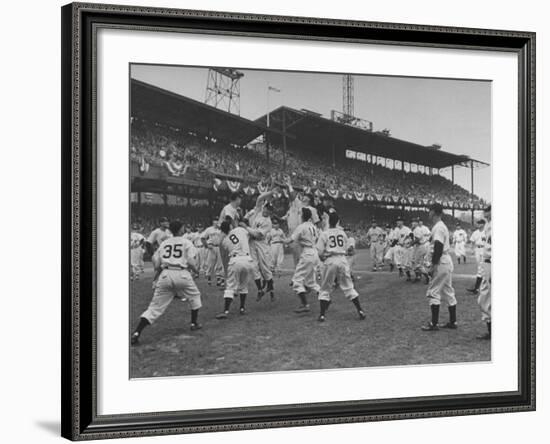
(316, 133)
(155, 104)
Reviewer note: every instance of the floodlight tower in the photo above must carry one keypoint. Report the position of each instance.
(347, 102)
(223, 89)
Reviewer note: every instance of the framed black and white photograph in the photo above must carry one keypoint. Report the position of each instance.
(277, 221)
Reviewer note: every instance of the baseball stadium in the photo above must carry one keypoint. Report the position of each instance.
(189, 158)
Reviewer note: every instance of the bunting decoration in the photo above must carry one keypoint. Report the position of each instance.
(347, 196)
(249, 191)
(360, 196)
(233, 185)
(176, 168)
(319, 193)
(333, 193)
(262, 188)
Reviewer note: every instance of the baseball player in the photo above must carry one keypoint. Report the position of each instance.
(484, 298)
(332, 248)
(277, 243)
(211, 238)
(459, 239)
(158, 235)
(172, 261)
(231, 209)
(379, 250)
(402, 234)
(350, 253)
(478, 240)
(391, 238)
(294, 215)
(408, 252)
(137, 245)
(421, 235)
(373, 233)
(303, 280)
(441, 283)
(240, 266)
(259, 228)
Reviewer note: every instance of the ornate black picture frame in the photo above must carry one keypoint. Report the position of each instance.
(80, 22)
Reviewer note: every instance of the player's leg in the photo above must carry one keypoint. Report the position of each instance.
(448, 293)
(434, 299)
(328, 272)
(257, 276)
(219, 268)
(210, 264)
(162, 296)
(244, 274)
(186, 288)
(372, 253)
(484, 299)
(304, 269)
(265, 266)
(346, 284)
(479, 274)
(230, 289)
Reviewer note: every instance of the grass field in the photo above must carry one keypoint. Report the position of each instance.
(273, 338)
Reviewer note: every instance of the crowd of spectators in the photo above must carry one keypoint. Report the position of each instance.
(159, 145)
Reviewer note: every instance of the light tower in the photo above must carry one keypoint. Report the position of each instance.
(223, 89)
(347, 90)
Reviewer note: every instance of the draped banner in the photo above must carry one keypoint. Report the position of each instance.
(233, 185)
(249, 191)
(319, 193)
(360, 196)
(333, 193)
(346, 195)
(262, 188)
(176, 168)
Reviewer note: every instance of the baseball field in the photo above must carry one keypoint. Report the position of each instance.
(271, 337)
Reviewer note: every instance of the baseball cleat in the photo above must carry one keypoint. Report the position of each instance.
(430, 327)
(321, 318)
(260, 295)
(196, 326)
(272, 296)
(242, 311)
(302, 309)
(362, 315)
(449, 325)
(472, 290)
(222, 315)
(134, 340)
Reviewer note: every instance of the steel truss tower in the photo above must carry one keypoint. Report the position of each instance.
(347, 90)
(223, 89)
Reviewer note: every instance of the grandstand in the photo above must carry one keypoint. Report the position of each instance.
(186, 153)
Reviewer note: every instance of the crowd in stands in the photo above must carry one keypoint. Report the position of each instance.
(157, 145)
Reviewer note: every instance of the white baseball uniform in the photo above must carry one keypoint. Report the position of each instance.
(478, 240)
(333, 243)
(277, 248)
(441, 284)
(459, 239)
(157, 236)
(137, 241)
(260, 250)
(305, 236)
(484, 298)
(213, 261)
(173, 257)
(421, 255)
(240, 266)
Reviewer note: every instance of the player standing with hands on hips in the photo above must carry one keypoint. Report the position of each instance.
(173, 261)
(441, 283)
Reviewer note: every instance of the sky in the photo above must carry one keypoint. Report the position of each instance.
(455, 114)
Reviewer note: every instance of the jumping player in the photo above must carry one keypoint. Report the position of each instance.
(259, 228)
(240, 266)
(172, 261)
(441, 284)
(331, 247)
(277, 242)
(231, 209)
(303, 281)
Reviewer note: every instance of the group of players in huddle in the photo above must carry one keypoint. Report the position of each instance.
(240, 248)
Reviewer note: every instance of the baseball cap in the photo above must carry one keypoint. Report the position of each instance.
(163, 219)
